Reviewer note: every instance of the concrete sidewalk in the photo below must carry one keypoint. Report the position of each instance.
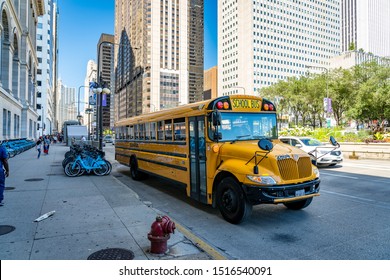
(91, 213)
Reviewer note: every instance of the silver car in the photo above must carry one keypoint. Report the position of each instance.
(317, 148)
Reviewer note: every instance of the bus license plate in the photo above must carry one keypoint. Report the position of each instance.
(300, 193)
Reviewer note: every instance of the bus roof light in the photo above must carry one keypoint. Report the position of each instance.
(225, 105)
(266, 107)
(219, 105)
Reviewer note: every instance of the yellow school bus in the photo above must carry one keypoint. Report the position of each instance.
(225, 151)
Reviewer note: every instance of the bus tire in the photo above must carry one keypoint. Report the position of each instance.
(232, 202)
(134, 172)
(298, 205)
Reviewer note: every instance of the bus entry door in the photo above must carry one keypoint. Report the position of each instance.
(198, 159)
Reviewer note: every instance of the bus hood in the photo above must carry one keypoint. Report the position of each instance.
(284, 162)
(247, 149)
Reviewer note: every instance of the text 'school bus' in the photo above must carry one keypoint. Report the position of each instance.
(226, 151)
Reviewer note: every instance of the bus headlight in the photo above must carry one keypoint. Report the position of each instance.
(264, 180)
(317, 172)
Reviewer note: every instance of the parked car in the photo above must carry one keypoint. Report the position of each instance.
(317, 148)
(108, 139)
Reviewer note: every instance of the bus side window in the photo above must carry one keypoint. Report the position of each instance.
(160, 130)
(141, 128)
(168, 130)
(179, 129)
(153, 127)
(136, 134)
(130, 134)
(147, 131)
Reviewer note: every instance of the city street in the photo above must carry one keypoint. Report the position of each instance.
(349, 221)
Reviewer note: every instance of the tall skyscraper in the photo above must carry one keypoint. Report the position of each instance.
(263, 41)
(159, 54)
(366, 26)
(89, 113)
(67, 104)
(47, 67)
(106, 70)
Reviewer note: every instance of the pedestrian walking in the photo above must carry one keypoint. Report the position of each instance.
(38, 146)
(46, 144)
(4, 172)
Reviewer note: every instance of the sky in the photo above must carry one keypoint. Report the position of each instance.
(81, 22)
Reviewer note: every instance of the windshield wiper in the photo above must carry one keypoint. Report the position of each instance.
(239, 137)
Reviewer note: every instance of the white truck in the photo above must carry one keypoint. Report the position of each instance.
(75, 133)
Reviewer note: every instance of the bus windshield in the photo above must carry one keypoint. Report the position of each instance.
(247, 126)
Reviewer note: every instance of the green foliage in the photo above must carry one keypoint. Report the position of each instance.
(323, 134)
(378, 136)
(361, 93)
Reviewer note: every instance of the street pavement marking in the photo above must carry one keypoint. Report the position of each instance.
(200, 243)
(349, 196)
(329, 174)
(374, 203)
(366, 166)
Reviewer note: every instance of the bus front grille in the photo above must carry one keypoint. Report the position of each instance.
(290, 169)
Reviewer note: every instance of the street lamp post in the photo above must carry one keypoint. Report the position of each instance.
(89, 111)
(99, 89)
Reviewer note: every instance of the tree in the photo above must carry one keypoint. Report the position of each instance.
(372, 92)
(341, 91)
(361, 93)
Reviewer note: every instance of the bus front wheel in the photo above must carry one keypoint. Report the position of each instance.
(134, 172)
(232, 202)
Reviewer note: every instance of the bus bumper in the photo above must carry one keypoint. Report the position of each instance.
(281, 193)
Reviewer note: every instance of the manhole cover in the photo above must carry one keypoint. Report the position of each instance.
(34, 179)
(9, 188)
(6, 229)
(112, 254)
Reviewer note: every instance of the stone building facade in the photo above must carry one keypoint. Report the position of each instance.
(18, 67)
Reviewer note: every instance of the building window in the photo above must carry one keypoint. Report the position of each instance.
(4, 123)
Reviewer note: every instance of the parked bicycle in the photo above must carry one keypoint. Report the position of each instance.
(85, 159)
(16, 146)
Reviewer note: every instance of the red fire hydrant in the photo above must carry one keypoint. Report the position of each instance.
(160, 233)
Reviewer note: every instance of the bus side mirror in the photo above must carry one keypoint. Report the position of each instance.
(265, 144)
(333, 141)
(216, 118)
